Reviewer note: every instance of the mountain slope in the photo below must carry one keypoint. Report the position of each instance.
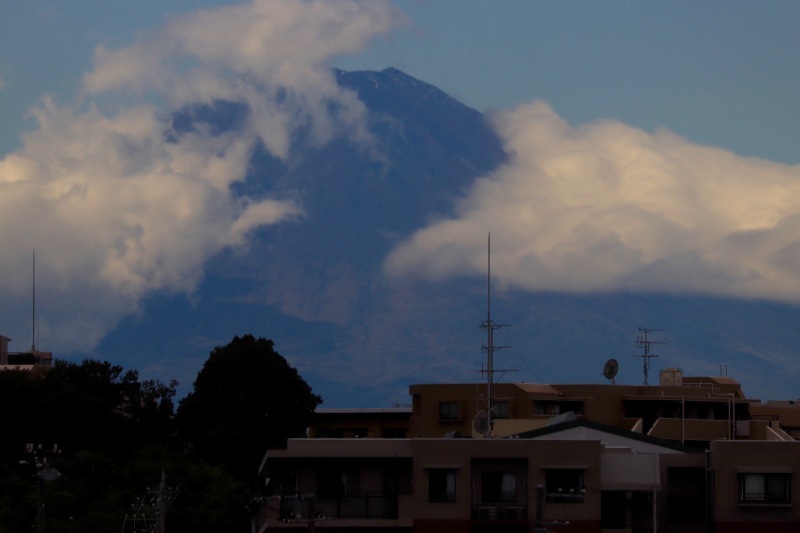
(315, 285)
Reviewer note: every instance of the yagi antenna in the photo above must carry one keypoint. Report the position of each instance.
(642, 341)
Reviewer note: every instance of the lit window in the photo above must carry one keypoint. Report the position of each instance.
(442, 485)
(765, 488)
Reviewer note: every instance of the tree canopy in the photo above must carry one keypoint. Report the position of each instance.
(246, 399)
(116, 433)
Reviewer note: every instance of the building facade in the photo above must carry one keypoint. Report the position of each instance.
(689, 454)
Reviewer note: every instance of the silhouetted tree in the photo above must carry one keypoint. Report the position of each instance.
(246, 399)
(101, 416)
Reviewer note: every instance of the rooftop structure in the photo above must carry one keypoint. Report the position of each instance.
(690, 454)
(32, 360)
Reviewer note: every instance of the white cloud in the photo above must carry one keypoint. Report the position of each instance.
(270, 54)
(605, 207)
(119, 206)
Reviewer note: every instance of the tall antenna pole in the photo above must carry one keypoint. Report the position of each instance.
(33, 312)
(642, 341)
(489, 335)
(490, 348)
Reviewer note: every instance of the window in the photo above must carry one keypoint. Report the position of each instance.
(765, 488)
(441, 485)
(556, 407)
(336, 481)
(498, 487)
(391, 483)
(501, 409)
(564, 485)
(448, 411)
(544, 407)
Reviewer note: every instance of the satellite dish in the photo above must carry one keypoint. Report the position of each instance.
(610, 370)
(480, 424)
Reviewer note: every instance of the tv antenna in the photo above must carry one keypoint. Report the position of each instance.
(643, 342)
(33, 310)
(610, 370)
(489, 347)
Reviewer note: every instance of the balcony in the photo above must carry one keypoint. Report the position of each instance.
(499, 512)
(366, 505)
(26, 359)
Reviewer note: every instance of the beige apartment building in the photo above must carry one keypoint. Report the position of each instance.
(688, 454)
(32, 360)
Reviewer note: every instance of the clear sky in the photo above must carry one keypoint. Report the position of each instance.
(655, 145)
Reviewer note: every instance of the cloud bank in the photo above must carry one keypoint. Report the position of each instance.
(607, 207)
(119, 203)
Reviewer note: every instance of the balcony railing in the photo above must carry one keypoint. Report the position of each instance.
(499, 512)
(365, 505)
(26, 359)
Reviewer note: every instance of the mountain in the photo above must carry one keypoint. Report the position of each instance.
(315, 285)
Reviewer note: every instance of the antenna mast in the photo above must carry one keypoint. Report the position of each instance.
(642, 341)
(33, 312)
(490, 348)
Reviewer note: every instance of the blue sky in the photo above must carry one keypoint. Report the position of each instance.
(654, 145)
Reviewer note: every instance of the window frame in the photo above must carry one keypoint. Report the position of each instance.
(495, 489)
(573, 492)
(442, 485)
(501, 409)
(776, 488)
(445, 408)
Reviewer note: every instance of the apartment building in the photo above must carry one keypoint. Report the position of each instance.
(688, 454)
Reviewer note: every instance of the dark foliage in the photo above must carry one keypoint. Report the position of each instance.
(116, 434)
(246, 399)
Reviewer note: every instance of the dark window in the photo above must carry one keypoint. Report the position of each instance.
(556, 407)
(765, 488)
(564, 485)
(448, 411)
(502, 409)
(393, 433)
(391, 483)
(360, 433)
(498, 487)
(333, 481)
(442, 485)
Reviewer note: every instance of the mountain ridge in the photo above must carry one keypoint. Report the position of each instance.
(315, 284)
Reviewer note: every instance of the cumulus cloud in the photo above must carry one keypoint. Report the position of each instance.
(120, 203)
(606, 207)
